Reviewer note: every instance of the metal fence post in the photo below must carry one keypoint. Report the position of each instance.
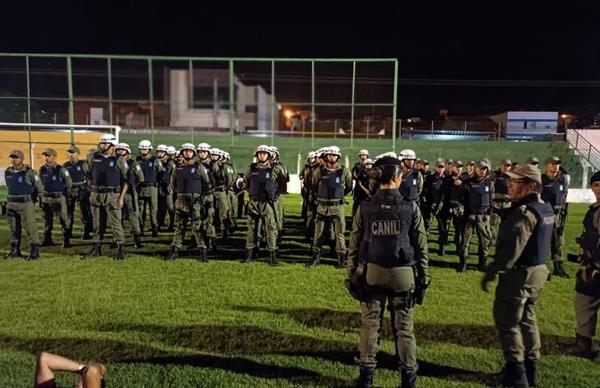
(70, 95)
(352, 106)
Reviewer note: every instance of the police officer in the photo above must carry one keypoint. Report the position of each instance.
(331, 182)
(165, 196)
(362, 156)
(148, 190)
(283, 177)
(261, 183)
(433, 201)
(189, 182)
(412, 185)
(470, 169)
(308, 194)
(478, 198)
(500, 199)
(109, 175)
(222, 182)
(389, 243)
(453, 209)
(587, 286)
(57, 185)
(24, 185)
(361, 185)
(203, 153)
(533, 161)
(80, 193)
(135, 176)
(522, 247)
(304, 190)
(231, 191)
(555, 193)
(423, 167)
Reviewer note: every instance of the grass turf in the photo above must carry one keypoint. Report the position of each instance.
(224, 324)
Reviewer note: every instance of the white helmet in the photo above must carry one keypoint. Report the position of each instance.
(216, 151)
(145, 145)
(162, 147)
(390, 153)
(368, 161)
(363, 152)
(275, 150)
(332, 150)
(226, 155)
(123, 146)
(203, 147)
(108, 139)
(263, 148)
(311, 154)
(171, 150)
(407, 154)
(187, 146)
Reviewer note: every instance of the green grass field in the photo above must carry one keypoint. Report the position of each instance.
(224, 324)
(242, 148)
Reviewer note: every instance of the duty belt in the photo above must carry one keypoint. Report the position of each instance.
(144, 184)
(330, 202)
(78, 184)
(19, 198)
(220, 188)
(53, 195)
(103, 190)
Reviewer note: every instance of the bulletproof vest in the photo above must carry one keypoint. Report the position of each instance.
(188, 180)
(590, 238)
(149, 168)
(17, 182)
(435, 188)
(52, 180)
(262, 184)
(554, 191)
(479, 195)
(220, 176)
(538, 247)
(131, 179)
(501, 183)
(76, 171)
(387, 221)
(331, 185)
(455, 193)
(105, 172)
(410, 186)
(163, 176)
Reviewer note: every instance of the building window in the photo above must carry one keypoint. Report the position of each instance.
(251, 109)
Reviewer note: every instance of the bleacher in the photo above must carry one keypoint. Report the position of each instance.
(586, 143)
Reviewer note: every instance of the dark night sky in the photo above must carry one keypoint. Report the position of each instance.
(525, 41)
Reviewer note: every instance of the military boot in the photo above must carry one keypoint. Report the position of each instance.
(47, 241)
(86, 234)
(583, 347)
(513, 375)
(120, 252)
(34, 253)
(137, 241)
(203, 255)
(95, 251)
(408, 378)
(559, 270)
(341, 260)
(15, 251)
(249, 256)
(316, 258)
(462, 265)
(273, 261)
(365, 378)
(67, 239)
(531, 372)
(442, 250)
(482, 264)
(154, 231)
(172, 255)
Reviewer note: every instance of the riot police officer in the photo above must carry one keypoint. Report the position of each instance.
(203, 153)
(57, 185)
(453, 209)
(80, 193)
(261, 182)
(135, 176)
(388, 248)
(189, 182)
(24, 185)
(331, 182)
(587, 286)
(222, 178)
(309, 203)
(500, 199)
(522, 248)
(108, 187)
(433, 197)
(283, 177)
(412, 183)
(148, 190)
(478, 198)
(165, 196)
(361, 185)
(554, 192)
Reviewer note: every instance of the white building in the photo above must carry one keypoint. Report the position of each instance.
(527, 125)
(210, 107)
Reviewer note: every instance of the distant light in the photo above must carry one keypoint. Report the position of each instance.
(564, 115)
(288, 113)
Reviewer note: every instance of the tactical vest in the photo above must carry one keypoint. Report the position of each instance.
(590, 238)
(436, 188)
(555, 191)
(105, 172)
(17, 182)
(501, 183)
(262, 184)
(149, 168)
(164, 175)
(387, 223)
(331, 186)
(52, 180)
(479, 196)
(76, 171)
(187, 179)
(455, 193)
(131, 178)
(410, 186)
(220, 176)
(537, 248)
